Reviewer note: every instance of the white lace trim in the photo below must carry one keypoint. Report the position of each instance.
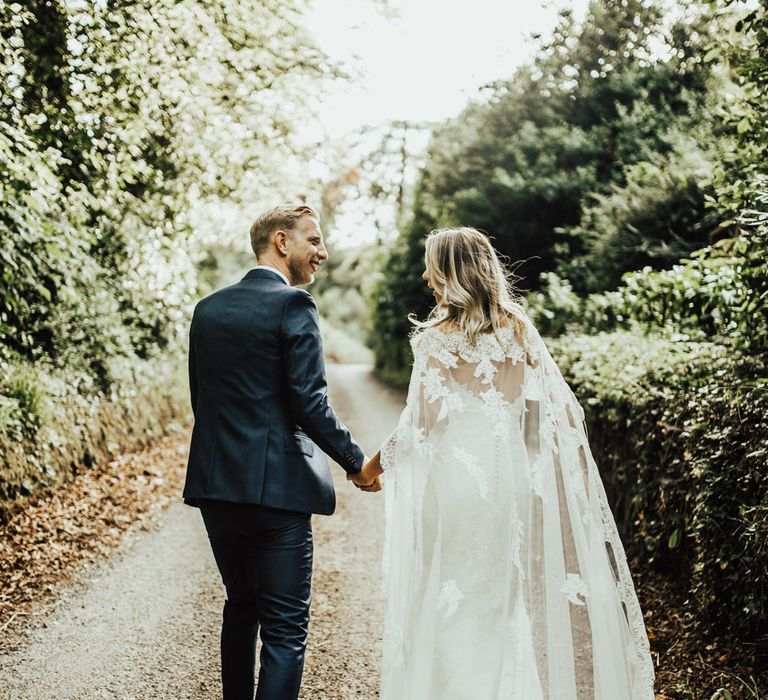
(489, 347)
(388, 451)
(434, 384)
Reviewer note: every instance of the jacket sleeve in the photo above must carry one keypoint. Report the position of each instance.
(192, 374)
(302, 350)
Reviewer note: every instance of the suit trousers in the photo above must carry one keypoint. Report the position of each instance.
(264, 556)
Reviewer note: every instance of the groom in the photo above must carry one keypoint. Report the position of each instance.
(256, 465)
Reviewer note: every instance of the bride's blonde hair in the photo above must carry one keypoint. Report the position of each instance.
(477, 294)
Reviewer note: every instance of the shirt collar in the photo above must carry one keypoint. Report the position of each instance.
(272, 269)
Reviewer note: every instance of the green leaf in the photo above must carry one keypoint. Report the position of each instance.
(744, 125)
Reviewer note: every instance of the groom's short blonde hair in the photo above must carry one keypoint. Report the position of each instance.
(285, 216)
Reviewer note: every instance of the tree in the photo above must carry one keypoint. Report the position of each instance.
(124, 123)
(591, 160)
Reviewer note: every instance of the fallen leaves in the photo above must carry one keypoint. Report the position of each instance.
(56, 534)
(50, 541)
(689, 667)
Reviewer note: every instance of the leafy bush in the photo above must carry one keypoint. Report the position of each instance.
(76, 425)
(652, 220)
(720, 291)
(123, 126)
(679, 431)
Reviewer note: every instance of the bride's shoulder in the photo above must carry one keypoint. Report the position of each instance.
(428, 336)
(507, 340)
(437, 342)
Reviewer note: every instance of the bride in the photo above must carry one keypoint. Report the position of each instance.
(504, 572)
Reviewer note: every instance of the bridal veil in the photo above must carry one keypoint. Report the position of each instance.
(504, 572)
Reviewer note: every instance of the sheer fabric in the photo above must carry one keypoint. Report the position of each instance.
(504, 572)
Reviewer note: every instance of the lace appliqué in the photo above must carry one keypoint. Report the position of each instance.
(537, 478)
(574, 587)
(427, 345)
(496, 408)
(434, 386)
(388, 450)
(487, 369)
(415, 438)
(548, 430)
(475, 470)
(446, 347)
(449, 598)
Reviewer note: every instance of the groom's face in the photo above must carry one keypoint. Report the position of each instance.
(306, 251)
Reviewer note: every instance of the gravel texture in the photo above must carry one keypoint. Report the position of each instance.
(144, 623)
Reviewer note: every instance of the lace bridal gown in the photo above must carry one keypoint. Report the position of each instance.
(504, 572)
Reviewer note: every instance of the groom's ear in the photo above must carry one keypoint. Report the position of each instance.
(280, 238)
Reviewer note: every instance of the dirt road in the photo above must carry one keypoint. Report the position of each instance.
(144, 625)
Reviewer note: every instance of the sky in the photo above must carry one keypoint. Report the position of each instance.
(426, 60)
(417, 60)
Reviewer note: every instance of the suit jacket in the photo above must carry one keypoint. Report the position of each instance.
(259, 397)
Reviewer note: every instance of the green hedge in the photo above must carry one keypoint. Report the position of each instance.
(55, 422)
(679, 431)
(125, 129)
(704, 295)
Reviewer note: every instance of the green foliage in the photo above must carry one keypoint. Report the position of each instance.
(680, 434)
(123, 126)
(594, 161)
(658, 216)
(400, 292)
(601, 98)
(707, 295)
(22, 390)
(73, 425)
(742, 41)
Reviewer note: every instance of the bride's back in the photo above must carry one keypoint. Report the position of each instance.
(505, 573)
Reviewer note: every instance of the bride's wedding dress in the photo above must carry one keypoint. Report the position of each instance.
(504, 572)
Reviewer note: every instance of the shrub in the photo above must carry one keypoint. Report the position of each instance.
(75, 425)
(707, 295)
(679, 431)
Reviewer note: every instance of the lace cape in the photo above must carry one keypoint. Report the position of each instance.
(504, 571)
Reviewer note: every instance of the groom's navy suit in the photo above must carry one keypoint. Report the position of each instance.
(257, 469)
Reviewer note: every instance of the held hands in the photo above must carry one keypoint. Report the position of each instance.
(369, 477)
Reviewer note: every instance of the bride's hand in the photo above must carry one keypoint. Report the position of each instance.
(375, 486)
(368, 478)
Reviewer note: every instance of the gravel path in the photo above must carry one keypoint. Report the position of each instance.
(144, 625)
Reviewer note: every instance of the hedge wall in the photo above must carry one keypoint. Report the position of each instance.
(679, 431)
